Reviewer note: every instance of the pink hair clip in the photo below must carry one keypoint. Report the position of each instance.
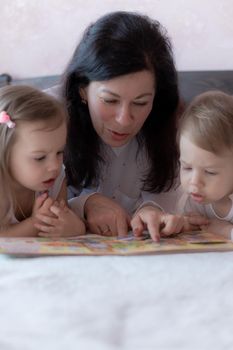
(5, 119)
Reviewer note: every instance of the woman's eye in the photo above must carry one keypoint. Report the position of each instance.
(107, 101)
(60, 153)
(140, 103)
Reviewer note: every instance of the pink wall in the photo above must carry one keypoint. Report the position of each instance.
(38, 37)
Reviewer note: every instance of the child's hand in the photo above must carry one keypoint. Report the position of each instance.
(42, 205)
(63, 223)
(159, 223)
(156, 222)
(38, 203)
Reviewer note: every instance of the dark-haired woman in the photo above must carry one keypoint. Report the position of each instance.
(120, 90)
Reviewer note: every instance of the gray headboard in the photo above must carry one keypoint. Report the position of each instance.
(191, 83)
(196, 82)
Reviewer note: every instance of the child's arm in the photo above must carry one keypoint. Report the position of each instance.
(25, 228)
(64, 221)
(220, 227)
(62, 195)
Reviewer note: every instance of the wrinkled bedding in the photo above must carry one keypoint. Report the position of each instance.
(176, 301)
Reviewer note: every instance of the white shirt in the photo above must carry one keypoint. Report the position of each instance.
(185, 204)
(122, 180)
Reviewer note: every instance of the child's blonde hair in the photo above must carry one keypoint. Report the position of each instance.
(208, 121)
(21, 103)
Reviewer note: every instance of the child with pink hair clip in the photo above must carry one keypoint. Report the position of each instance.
(33, 129)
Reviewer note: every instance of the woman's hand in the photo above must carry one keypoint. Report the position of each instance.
(159, 223)
(105, 217)
(62, 223)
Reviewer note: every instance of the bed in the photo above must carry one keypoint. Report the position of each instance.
(171, 301)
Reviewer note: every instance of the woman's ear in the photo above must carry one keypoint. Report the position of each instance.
(83, 95)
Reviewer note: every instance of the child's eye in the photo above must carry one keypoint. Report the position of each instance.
(210, 172)
(39, 159)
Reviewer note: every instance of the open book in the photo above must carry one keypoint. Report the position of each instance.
(91, 244)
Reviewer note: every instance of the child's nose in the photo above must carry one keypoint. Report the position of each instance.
(54, 165)
(196, 179)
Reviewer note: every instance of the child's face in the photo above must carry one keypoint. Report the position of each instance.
(205, 176)
(37, 155)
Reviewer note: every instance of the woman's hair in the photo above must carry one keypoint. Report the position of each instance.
(121, 43)
(21, 103)
(208, 121)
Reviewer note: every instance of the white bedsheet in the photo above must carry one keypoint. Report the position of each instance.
(181, 301)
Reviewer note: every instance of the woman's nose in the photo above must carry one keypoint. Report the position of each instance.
(124, 116)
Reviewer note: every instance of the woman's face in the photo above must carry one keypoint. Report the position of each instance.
(120, 106)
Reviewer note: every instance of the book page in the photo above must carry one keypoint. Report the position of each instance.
(91, 244)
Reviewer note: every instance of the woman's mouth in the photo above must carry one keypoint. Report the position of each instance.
(117, 136)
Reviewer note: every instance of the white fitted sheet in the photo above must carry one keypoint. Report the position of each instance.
(175, 301)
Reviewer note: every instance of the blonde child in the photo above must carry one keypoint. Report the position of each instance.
(206, 160)
(33, 129)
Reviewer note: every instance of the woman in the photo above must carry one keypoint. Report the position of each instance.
(121, 92)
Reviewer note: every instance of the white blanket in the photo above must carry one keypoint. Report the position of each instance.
(180, 301)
